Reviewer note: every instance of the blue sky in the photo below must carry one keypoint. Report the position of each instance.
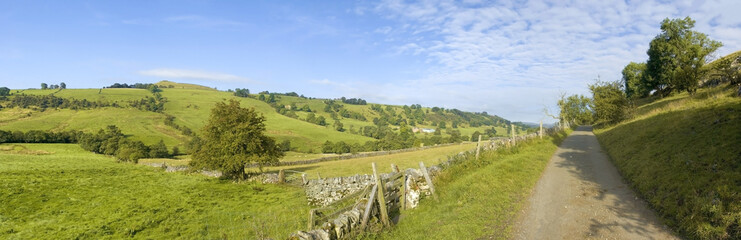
(509, 58)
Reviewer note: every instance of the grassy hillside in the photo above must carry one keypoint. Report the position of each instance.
(59, 191)
(478, 199)
(147, 127)
(190, 105)
(682, 154)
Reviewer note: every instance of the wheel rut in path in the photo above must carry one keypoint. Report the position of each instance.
(581, 195)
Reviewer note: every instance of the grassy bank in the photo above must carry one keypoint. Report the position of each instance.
(59, 191)
(478, 199)
(682, 154)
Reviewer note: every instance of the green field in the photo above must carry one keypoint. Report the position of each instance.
(478, 199)
(354, 166)
(147, 127)
(682, 154)
(59, 191)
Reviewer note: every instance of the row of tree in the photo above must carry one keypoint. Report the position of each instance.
(61, 85)
(108, 141)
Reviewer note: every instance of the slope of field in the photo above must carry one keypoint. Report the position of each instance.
(193, 107)
(59, 191)
(147, 127)
(682, 154)
(354, 166)
(478, 199)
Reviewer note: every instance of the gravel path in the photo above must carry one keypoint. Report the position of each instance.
(582, 196)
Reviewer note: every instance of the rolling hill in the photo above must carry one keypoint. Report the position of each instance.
(188, 106)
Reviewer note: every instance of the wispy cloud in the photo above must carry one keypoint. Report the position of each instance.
(171, 73)
(512, 58)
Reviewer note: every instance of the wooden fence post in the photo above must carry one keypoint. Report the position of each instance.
(368, 207)
(310, 224)
(381, 198)
(541, 129)
(478, 148)
(404, 193)
(513, 135)
(428, 179)
(281, 176)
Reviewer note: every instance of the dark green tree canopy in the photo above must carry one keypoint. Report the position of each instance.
(233, 137)
(633, 78)
(677, 55)
(608, 102)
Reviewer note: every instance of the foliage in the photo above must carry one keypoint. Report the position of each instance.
(727, 68)
(233, 137)
(242, 92)
(4, 91)
(355, 101)
(634, 80)
(44, 86)
(681, 154)
(608, 102)
(677, 55)
(575, 110)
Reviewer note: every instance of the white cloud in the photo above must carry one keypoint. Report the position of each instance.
(171, 73)
(513, 58)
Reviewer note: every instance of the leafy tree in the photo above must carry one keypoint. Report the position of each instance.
(575, 110)
(159, 150)
(154, 89)
(4, 91)
(285, 145)
(44, 86)
(633, 78)
(233, 137)
(242, 92)
(63, 85)
(311, 117)
(609, 102)
(677, 55)
(338, 126)
(175, 151)
(321, 121)
(724, 68)
(271, 98)
(261, 97)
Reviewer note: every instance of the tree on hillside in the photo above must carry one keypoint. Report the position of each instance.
(63, 85)
(4, 91)
(242, 92)
(677, 55)
(233, 137)
(159, 150)
(608, 102)
(44, 86)
(727, 70)
(633, 80)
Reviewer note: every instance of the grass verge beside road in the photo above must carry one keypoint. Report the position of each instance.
(682, 154)
(478, 198)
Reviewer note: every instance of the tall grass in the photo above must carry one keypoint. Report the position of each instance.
(682, 154)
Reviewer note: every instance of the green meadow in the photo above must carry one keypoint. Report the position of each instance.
(59, 191)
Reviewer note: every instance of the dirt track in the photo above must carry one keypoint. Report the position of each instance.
(582, 196)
